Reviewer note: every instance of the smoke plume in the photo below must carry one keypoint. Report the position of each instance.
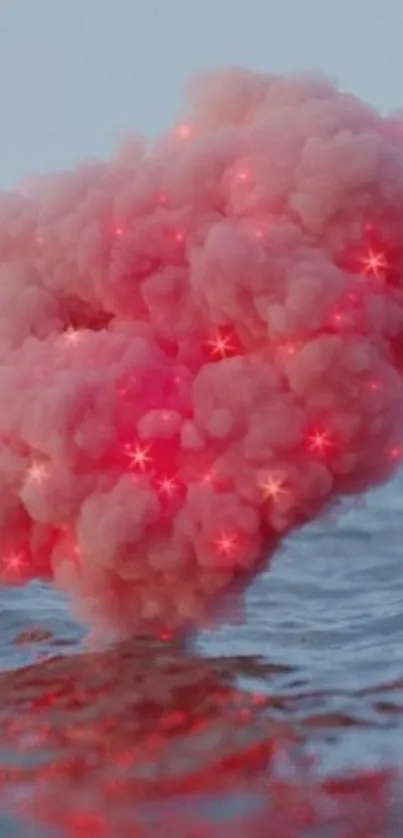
(201, 346)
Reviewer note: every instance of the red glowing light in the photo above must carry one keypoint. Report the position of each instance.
(213, 479)
(221, 346)
(226, 544)
(165, 636)
(396, 452)
(118, 232)
(168, 486)
(140, 456)
(273, 487)
(14, 563)
(320, 442)
(208, 477)
(289, 349)
(73, 336)
(375, 263)
(242, 176)
(37, 472)
(180, 237)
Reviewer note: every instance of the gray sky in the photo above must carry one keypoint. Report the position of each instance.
(77, 74)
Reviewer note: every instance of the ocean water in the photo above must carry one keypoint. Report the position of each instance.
(290, 724)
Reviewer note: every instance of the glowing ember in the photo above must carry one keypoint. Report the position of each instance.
(208, 478)
(375, 263)
(73, 336)
(320, 442)
(226, 544)
(37, 472)
(140, 457)
(168, 486)
(221, 346)
(166, 636)
(273, 488)
(289, 349)
(14, 563)
(243, 176)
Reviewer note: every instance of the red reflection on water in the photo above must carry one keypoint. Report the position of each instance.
(146, 740)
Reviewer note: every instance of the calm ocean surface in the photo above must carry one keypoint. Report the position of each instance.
(273, 721)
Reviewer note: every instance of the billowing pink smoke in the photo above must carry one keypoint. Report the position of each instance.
(201, 346)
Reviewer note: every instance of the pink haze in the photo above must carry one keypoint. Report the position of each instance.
(201, 347)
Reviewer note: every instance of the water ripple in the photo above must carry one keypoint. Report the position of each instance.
(297, 713)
